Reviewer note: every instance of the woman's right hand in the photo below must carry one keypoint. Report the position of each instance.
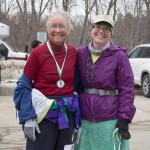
(30, 127)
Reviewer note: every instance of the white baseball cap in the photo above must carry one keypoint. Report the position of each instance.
(104, 18)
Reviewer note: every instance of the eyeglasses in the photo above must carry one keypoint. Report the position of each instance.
(99, 27)
(54, 27)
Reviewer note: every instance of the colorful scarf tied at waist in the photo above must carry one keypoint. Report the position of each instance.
(57, 113)
(55, 109)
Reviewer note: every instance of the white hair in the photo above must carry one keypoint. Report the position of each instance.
(62, 13)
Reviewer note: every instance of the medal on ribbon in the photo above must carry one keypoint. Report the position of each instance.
(60, 83)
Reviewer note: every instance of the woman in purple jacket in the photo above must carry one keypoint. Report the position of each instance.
(107, 100)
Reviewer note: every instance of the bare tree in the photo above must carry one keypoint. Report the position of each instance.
(147, 3)
(29, 17)
(65, 4)
(147, 21)
(5, 10)
(111, 4)
(88, 8)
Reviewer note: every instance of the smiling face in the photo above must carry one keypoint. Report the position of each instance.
(57, 29)
(101, 34)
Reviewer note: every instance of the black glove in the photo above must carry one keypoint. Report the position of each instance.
(123, 127)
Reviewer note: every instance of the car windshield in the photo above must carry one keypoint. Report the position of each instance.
(15, 50)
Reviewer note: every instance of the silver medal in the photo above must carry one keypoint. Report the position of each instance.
(60, 83)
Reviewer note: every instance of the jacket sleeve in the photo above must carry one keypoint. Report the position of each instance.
(78, 87)
(23, 102)
(125, 83)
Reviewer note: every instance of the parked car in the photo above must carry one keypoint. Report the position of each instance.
(11, 52)
(139, 59)
(7, 51)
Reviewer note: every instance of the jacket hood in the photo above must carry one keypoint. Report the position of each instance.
(112, 49)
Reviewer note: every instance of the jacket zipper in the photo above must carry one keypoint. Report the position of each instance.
(92, 101)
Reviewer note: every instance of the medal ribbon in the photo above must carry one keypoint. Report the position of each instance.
(59, 70)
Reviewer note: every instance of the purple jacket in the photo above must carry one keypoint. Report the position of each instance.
(111, 71)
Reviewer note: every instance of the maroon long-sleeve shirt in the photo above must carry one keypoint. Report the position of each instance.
(41, 69)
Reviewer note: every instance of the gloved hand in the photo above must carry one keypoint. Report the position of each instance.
(30, 127)
(123, 127)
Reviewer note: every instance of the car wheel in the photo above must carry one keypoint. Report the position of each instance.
(146, 86)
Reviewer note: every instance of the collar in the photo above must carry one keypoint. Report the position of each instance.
(56, 48)
(98, 52)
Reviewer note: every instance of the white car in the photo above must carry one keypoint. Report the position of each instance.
(12, 53)
(139, 59)
(7, 51)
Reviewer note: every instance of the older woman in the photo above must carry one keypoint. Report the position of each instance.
(107, 100)
(44, 96)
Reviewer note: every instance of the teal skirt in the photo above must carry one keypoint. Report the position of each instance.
(101, 136)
